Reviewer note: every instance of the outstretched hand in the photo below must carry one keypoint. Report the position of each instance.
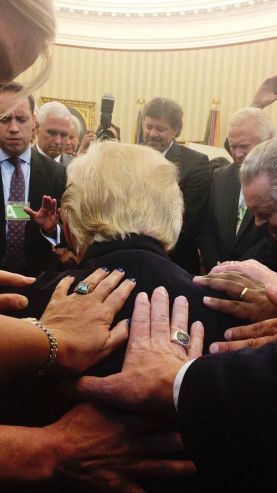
(81, 323)
(266, 94)
(249, 299)
(47, 217)
(151, 362)
(254, 335)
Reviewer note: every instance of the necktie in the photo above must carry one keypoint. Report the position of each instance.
(241, 211)
(14, 257)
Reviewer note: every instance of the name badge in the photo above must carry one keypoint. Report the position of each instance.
(15, 212)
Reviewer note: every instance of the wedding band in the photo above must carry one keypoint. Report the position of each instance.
(243, 293)
(82, 288)
(181, 337)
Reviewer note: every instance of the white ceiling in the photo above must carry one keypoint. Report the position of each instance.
(160, 24)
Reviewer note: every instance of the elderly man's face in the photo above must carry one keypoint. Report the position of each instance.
(258, 196)
(242, 139)
(73, 142)
(158, 133)
(53, 135)
(15, 127)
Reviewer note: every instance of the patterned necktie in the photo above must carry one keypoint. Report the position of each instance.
(14, 257)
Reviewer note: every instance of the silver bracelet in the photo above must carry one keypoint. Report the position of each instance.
(52, 357)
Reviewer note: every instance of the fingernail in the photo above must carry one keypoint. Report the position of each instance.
(120, 269)
(30, 279)
(161, 290)
(132, 279)
(214, 348)
(128, 322)
(228, 334)
(23, 302)
(196, 277)
(207, 300)
(105, 268)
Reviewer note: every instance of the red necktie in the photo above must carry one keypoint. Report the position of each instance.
(14, 257)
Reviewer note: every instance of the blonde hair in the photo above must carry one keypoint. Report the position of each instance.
(116, 189)
(41, 14)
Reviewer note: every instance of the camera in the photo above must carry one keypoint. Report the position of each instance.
(107, 104)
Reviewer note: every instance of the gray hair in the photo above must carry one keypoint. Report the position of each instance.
(261, 160)
(54, 108)
(264, 126)
(77, 125)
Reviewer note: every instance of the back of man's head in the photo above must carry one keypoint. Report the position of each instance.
(165, 108)
(261, 160)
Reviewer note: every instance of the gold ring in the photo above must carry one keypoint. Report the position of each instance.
(243, 293)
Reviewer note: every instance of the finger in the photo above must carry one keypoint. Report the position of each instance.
(17, 280)
(110, 390)
(179, 316)
(271, 293)
(140, 325)
(195, 348)
(222, 347)
(104, 282)
(160, 324)
(13, 302)
(160, 443)
(117, 298)
(164, 468)
(117, 336)
(230, 288)
(30, 211)
(62, 288)
(259, 329)
(237, 308)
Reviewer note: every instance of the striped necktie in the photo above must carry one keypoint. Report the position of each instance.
(14, 257)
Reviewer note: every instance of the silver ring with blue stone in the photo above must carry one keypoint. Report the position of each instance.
(82, 288)
(181, 337)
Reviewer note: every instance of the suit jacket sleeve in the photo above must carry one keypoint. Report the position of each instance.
(227, 408)
(207, 238)
(195, 188)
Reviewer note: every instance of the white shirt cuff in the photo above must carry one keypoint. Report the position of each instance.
(53, 241)
(178, 381)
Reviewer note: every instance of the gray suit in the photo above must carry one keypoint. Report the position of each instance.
(218, 239)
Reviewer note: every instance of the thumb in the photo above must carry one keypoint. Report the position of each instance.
(110, 390)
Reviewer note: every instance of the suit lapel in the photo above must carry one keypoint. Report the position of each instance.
(247, 220)
(233, 191)
(37, 177)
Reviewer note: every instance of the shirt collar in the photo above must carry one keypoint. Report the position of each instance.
(25, 156)
(57, 159)
(166, 151)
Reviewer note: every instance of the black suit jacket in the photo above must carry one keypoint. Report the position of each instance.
(194, 182)
(218, 239)
(227, 412)
(46, 178)
(143, 259)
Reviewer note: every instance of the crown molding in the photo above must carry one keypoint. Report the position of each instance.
(104, 25)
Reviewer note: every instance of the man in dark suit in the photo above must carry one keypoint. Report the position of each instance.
(229, 231)
(53, 130)
(226, 403)
(39, 177)
(162, 124)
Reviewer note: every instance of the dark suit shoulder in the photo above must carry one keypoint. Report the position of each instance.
(185, 154)
(49, 165)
